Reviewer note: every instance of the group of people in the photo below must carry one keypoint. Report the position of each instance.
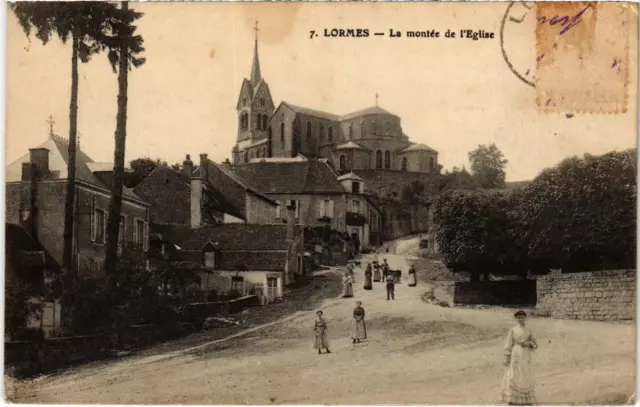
(377, 273)
(518, 385)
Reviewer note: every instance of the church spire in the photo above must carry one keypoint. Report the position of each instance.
(255, 67)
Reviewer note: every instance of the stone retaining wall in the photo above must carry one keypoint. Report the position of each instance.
(599, 295)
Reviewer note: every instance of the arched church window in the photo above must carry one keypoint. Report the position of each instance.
(387, 159)
(387, 128)
(244, 101)
(330, 134)
(404, 163)
(343, 162)
(259, 124)
(350, 131)
(373, 127)
(265, 120)
(262, 102)
(246, 157)
(308, 131)
(321, 132)
(432, 164)
(252, 155)
(379, 159)
(258, 153)
(361, 128)
(264, 151)
(282, 134)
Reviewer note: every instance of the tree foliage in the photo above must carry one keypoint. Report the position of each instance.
(578, 216)
(487, 166)
(581, 214)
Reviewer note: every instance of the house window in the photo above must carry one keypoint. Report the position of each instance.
(432, 164)
(379, 159)
(278, 210)
(330, 134)
(99, 231)
(210, 259)
(355, 187)
(343, 162)
(355, 206)
(404, 163)
(296, 208)
(141, 233)
(387, 159)
(253, 154)
(272, 288)
(325, 208)
(308, 131)
(246, 157)
(97, 267)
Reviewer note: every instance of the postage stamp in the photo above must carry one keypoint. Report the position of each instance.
(582, 54)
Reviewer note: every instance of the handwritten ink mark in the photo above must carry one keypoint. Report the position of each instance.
(550, 102)
(569, 115)
(539, 57)
(615, 63)
(565, 21)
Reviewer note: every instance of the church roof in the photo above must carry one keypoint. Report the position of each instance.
(311, 112)
(58, 158)
(350, 175)
(419, 147)
(348, 145)
(365, 112)
(302, 177)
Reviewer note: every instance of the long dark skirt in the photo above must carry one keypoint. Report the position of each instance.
(376, 275)
(367, 283)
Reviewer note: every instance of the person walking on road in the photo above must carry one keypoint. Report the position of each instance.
(385, 270)
(413, 281)
(368, 285)
(320, 329)
(358, 327)
(518, 385)
(348, 286)
(391, 285)
(376, 273)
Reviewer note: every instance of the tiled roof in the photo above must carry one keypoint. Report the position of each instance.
(365, 112)
(311, 112)
(350, 175)
(231, 236)
(350, 144)
(290, 177)
(234, 178)
(58, 159)
(418, 147)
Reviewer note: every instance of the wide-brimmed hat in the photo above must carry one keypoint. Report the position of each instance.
(520, 313)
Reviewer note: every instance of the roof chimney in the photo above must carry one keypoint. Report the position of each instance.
(204, 168)
(187, 166)
(40, 158)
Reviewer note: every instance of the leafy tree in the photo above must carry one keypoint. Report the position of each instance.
(414, 193)
(487, 166)
(457, 179)
(581, 214)
(140, 169)
(123, 55)
(85, 24)
(18, 308)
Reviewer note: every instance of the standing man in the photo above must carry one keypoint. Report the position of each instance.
(391, 285)
(385, 269)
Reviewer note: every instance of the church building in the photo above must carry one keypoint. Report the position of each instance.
(370, 138)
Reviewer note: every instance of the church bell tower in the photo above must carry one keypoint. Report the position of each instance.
(254, 109)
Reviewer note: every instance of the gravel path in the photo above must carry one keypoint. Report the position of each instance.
(416, 354)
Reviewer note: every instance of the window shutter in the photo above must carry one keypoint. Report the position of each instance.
(321, 209)
(93, 221)
(145, 242)
(278, 209)
(135, 231)
(331, 208)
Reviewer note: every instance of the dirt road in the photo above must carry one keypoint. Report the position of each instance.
(417, 354)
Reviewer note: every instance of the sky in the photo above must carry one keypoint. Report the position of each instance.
(451, 94)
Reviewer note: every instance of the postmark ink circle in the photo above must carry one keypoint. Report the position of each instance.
(502, 47)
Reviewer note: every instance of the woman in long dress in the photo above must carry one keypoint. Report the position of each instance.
(412, 277)
(518, 386)
(377, 277)
(368, 285)
(320, 329)
(358, 327)
(348, 286)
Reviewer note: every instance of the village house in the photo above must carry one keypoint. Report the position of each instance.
(36, 187)
(319, 197)
(250, 258)
(202, 196)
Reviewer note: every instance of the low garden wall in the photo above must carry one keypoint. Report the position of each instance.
(25, 358)
(599, 295)
(507, 292)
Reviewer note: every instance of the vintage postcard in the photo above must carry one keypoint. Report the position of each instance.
(321, 203)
